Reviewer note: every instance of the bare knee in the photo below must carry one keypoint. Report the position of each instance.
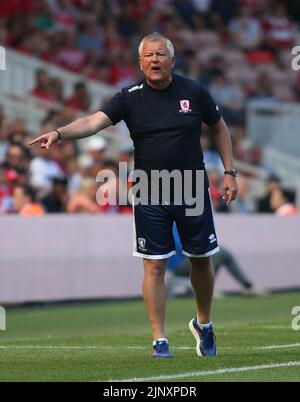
(155, 268)
(202, 263)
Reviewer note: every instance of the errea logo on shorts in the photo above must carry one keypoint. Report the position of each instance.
(212, 238)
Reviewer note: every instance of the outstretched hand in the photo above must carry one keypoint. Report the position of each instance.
(46, 140)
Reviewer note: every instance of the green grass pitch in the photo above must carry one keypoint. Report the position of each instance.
(111, 341)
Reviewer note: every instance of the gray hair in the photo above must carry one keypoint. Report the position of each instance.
(156, 37)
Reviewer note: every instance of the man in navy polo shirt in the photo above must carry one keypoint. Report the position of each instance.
(163, 113)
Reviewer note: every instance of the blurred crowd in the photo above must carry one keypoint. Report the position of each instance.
(63, 179)
(240, 49)
(34, 181)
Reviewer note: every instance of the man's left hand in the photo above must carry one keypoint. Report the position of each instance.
(230, 189)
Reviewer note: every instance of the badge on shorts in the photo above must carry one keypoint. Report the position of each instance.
(185, 106)
(141, 244)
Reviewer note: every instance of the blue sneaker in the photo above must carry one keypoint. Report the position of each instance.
(161, 350)
(205, 338)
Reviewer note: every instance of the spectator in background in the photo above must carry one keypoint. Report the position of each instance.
(42, 20)
(15, 156)
(90, 36)
(113, 43)
(25, 201)
(263, 87)
(84, 201)
(257, 7)
(186, 9)
(297, 88)
(126, 155)
(65, 115)
(76, 170)
(225, 9)
(56, 201)
(282, 204)
(50, 120)
(64, 14)
(127, 25)
(42, 88)
(56, 89)
(95, 148)
(179, 270)
(279, 30)
(245, 30)
(80, 99)
(211, 157)
(202, 6)
(68, 55)
(263, 204)
(5, 196)
(293, 9)
(43, 169)
(124, 73)
(191, 68)
(215, 188)
(18, 132)
(4, 134)
(23, 176)
(214, 66)
(230, 98)
(98, 69)
(14, 171)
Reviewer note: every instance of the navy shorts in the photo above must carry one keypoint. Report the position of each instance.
(153, 231)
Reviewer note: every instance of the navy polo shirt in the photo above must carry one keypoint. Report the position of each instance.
(165, 125)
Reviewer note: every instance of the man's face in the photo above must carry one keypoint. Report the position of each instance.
(156, 62)
(19, 198)
(14, 156)
(276, 200)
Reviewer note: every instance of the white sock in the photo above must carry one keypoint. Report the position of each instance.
(207, 325)
(160, 340)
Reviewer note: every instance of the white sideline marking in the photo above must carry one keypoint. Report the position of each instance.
(211, 372)
(83, 347)
(269, 347)
(69, 347)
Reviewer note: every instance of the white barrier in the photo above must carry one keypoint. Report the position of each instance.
(61, 257)
(19, 78)
(275, 126)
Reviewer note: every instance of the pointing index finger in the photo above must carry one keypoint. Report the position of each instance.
(35, 140)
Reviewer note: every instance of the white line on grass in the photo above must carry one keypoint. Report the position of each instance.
(103, 347)
(211, 372)
(69, 347)
(269, 347)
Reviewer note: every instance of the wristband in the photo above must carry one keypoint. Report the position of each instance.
(59, 135)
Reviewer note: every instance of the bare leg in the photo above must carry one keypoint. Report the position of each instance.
(202, 280)
(155, 297)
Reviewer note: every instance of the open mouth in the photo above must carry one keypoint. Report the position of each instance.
(155, 68)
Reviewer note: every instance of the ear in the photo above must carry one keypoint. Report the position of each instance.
(173, 61)
(140, 63)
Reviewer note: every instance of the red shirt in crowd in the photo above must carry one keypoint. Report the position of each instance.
(10, 7)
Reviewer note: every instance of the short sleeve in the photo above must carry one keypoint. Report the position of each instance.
(115, 108)
(210, 111)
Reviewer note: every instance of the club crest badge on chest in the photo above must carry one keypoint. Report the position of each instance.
(185, 106)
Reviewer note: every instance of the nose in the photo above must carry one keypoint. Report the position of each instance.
(154, 58)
